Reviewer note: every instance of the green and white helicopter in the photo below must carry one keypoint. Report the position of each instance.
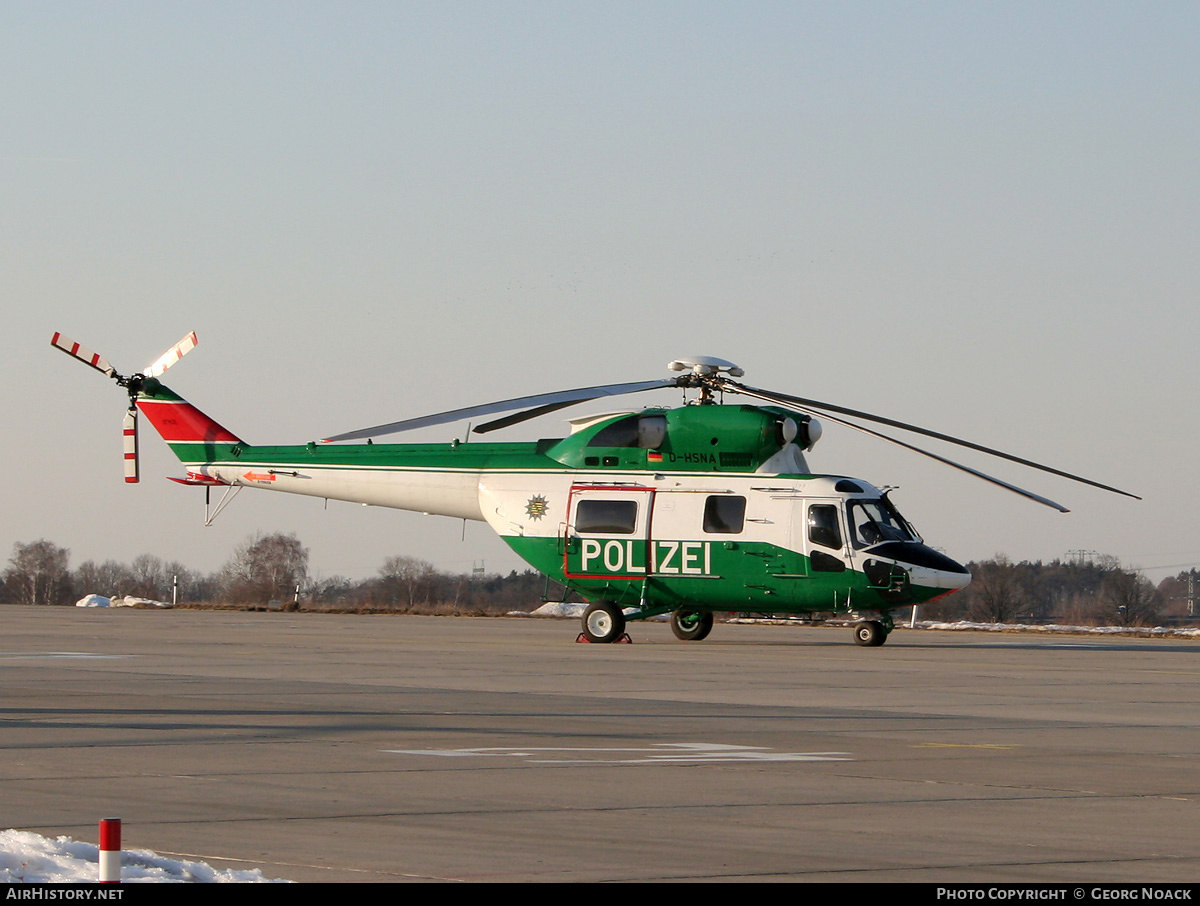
(687, 510)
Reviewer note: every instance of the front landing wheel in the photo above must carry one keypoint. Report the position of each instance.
(603, 622)
(691, 625)
(870, 634)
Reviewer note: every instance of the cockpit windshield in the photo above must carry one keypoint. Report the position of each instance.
(875, 521)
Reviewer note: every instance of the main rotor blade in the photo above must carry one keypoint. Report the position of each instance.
(172, 355)
(557, 399)
(824, 410)
(508, 421)
(1045, 501)
(85, 355)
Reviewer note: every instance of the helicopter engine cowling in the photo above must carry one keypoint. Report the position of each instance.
(804, 433)
(717, 438)
(812, 433)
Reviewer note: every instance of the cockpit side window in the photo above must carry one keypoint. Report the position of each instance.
(823, 526)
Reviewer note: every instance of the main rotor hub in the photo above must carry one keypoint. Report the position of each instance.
(705, 375)
(705, 366)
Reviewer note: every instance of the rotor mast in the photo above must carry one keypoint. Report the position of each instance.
(705, 375)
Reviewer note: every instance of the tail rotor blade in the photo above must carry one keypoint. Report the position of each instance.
(172, 355)
(130, 430)
(85, 355)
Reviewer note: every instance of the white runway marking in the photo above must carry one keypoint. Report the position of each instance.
(60, 655)
(662, 753)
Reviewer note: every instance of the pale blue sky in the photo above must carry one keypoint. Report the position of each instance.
(980, 217)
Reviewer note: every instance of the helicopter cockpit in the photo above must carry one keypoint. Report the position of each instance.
(875, 521)
(884, 536)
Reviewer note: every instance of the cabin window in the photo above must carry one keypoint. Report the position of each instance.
(724, 515)
(823, 526)
(606, 517)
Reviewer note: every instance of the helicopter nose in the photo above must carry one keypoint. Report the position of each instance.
(925, 566)
(943, 573)
(955, 580)
(933, 577)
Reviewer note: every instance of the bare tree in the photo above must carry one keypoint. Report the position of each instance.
(337, 591)
(266, 568)
(192, 586)
(38, 574)
(109, 578)
(149, 578)
(405, 580)
(998, 593)
(1131, 598)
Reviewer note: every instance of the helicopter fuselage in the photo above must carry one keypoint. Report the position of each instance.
(699, 508)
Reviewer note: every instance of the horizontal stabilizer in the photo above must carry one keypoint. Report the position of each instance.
(195, 478)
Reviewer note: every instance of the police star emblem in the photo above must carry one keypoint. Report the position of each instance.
(537, 507)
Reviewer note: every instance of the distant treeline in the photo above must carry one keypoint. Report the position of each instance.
(1086, 592)
(267, 570)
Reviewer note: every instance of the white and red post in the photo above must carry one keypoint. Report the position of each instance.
(110, 850)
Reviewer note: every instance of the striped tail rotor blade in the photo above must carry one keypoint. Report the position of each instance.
(85, 355)
(172, 355)
(130, 430)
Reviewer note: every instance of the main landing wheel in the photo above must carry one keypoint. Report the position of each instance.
(603, 622)
(870, 634)
(691, 625)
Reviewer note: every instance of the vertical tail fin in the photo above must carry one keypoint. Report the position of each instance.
(181, 424)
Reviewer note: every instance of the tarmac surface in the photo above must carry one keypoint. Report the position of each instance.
(399, 748)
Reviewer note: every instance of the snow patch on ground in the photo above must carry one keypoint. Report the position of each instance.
(127, 601)
(1143, 631)
(557, 609)
(28, 858)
